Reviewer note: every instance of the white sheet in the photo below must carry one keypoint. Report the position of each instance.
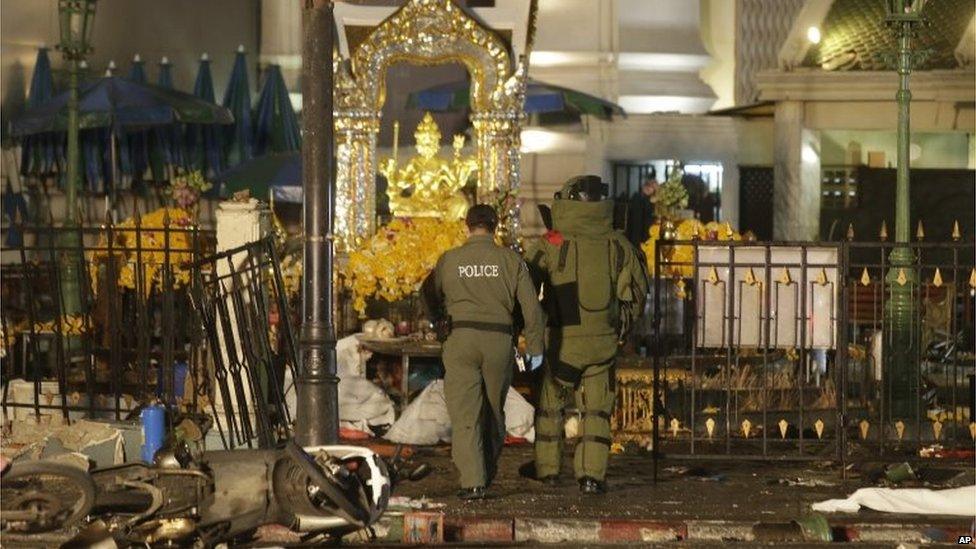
(921, 501)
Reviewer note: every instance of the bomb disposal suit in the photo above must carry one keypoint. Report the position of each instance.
(594, 284)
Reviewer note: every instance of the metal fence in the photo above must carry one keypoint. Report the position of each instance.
(94, 319)
(786, 350)
(240, 297)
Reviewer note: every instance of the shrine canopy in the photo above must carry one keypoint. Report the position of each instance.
(539, 98)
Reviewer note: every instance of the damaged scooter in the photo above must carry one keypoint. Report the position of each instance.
(320, 492)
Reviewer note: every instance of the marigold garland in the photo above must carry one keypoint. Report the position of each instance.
(152, 241)
(394, 262)
(686, 229)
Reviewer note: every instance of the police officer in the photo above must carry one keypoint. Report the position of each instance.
(476, 288)
(594, 283)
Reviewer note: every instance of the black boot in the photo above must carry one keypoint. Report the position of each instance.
(590, 485)
(478, 492)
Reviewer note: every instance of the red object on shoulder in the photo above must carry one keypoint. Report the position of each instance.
(554, 237)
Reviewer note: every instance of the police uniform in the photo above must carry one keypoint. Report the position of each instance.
(595, 284)
(479, 285)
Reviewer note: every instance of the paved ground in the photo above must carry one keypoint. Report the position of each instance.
(686, 490)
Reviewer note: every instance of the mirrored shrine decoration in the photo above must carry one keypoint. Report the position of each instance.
(428, 32)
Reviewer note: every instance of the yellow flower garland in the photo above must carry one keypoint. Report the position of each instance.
(152, 240)
(686, 230)
(394, 262)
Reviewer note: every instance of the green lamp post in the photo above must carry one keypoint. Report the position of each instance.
(904, 17)
(76, 18)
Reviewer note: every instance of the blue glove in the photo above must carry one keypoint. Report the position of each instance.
(535, 361)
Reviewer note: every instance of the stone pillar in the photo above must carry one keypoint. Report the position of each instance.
(281, 39)
(796, 170)
(241, 222)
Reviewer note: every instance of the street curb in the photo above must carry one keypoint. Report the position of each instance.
(610, 531)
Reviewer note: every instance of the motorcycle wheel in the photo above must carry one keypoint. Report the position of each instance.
(40, 496)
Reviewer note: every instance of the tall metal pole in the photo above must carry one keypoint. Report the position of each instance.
(73, 175)
(902, 279)
(317, 419)
(70, 240)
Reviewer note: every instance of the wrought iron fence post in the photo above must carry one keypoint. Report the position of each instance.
(658, 350)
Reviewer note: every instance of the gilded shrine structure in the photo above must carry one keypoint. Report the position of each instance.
(428, 32)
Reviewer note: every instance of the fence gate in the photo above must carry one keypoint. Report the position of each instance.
(785, 351)
(743, 334)
(241, 299)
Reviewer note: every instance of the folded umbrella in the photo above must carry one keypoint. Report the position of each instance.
(237, 98)
(134, 148)
(40, 154)
(204, 142)
(276, 126)
(166, 142)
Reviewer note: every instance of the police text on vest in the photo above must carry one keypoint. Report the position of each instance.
(477, 271)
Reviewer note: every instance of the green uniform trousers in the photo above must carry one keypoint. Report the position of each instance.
(572, 373)
(477, 374)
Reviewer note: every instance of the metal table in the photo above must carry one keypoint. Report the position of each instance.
(403, 347)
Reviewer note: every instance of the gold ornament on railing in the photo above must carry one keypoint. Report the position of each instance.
(865, 277)
(956, 233)
(428, 185)
(883, 233)
(920, 231)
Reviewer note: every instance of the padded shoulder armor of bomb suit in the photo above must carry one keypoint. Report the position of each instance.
(594, 281)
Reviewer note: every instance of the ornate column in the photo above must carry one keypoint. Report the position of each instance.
(355, 176)
(498, 140)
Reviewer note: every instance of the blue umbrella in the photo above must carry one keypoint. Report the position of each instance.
(134, 147)
(165, 74)
(237, 99)
(276, 127)
(166, 143)
(116, 105)
(281, 173)
(40, 154)
(204, 143)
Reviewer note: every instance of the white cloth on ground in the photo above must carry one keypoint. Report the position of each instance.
(922, 501)
(425, 420)
(362, 403)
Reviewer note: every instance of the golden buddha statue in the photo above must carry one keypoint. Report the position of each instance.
(429, 185)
